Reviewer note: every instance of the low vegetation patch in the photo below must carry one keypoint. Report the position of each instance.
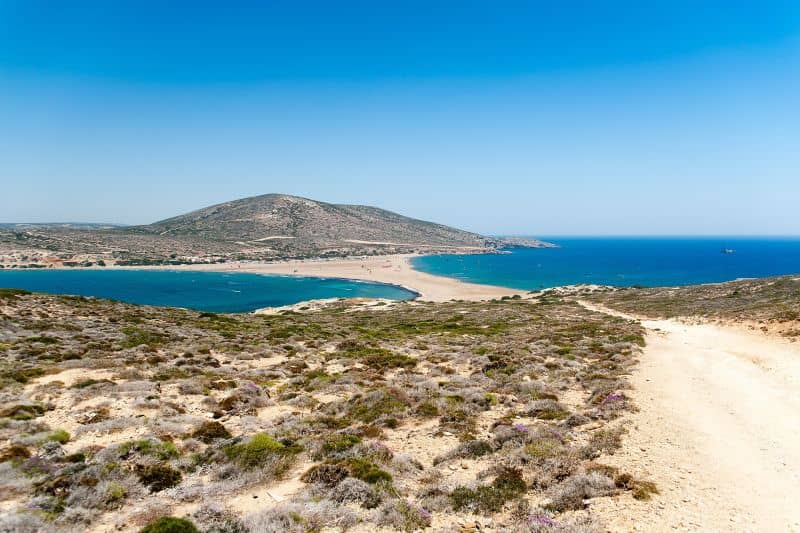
(401, 415)
(141, 337)
(489, 498)
(770, 301)
(170, 524)
(259, 450)
(158, 476)
(210, 431)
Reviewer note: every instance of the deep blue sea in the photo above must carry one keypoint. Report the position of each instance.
(204, 291)
(650, 262)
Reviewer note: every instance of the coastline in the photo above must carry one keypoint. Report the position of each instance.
(388, 269)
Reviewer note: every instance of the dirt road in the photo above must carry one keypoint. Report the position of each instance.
(718, 431)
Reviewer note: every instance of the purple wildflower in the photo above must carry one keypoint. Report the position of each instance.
(614, 397)
(522, 428)
(542, 520)
(37, 465)
(557, 434)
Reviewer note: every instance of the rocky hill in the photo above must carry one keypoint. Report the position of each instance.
(273, 219)
(272, 226)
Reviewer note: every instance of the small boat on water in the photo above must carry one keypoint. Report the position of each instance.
(728, 251)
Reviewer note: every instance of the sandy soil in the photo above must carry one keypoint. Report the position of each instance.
(394, 269)
(718, 431)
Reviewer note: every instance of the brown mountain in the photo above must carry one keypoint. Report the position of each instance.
(271, 226)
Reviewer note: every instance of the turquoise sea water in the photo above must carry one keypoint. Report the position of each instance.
(623, 262)
(204, 291)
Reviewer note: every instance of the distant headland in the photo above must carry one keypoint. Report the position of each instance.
(261, 228)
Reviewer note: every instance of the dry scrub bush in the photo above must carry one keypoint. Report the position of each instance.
(300, 517)
(569, 495)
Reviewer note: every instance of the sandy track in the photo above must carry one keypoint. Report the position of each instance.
(718, 431)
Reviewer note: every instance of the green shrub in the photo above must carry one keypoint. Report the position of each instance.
(377, 358)
(170, 524)
(314, 379)
(548, 410)
(339, 442)
(366, 471)
(328, 474)
(427, 409)
(137, 337)
(114, 496)
(159, 476)
(371, 408)
(489, 498)
(162, 449)
(210, 431)
(61, 436)
(259, 450)
(478, 448)
(78, 457)
(543, 448)
(22, 411)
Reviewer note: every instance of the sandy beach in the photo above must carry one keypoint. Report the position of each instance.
(394, 269)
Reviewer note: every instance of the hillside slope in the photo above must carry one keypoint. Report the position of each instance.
(272, 226)
(311, 224)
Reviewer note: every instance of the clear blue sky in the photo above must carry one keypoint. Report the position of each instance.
(558, 117)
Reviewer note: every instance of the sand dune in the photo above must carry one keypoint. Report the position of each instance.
(394, 269)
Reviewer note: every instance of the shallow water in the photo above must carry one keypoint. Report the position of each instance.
(204, 291)
(623, 262)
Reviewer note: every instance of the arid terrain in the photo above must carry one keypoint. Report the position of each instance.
(717, 389)
(495, 415)
(578, 409)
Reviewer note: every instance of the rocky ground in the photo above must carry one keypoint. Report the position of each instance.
(500, 415)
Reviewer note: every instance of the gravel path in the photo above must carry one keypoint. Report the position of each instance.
(718, 431)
